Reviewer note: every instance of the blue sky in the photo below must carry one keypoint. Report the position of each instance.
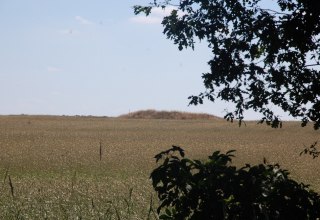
(80, 57)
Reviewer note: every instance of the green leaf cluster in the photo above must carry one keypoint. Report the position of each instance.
(214, 189)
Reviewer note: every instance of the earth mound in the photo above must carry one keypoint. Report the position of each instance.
(176, 115)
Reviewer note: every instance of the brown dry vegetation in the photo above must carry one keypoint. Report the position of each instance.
(175, 115)
(55, 170)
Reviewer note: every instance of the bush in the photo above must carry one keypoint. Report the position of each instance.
(214, 189)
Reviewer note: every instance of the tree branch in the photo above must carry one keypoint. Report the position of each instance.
(315, 64)
(274, 11)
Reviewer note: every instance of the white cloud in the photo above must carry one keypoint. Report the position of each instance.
(156, 16)
(68, 31)
(83, 21)
(146, 20)
(55, 93)
(165, 12)
(53, 69)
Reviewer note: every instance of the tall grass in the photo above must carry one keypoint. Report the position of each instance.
(81, 198)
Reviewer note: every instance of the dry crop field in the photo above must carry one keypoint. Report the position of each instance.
(51, 167)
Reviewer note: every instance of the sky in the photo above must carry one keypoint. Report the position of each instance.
(81, 57)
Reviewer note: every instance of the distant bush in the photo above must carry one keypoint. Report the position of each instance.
(214, 189)
(153, 114)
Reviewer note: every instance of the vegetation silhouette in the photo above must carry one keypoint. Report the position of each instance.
(261, 57)
(214, 189)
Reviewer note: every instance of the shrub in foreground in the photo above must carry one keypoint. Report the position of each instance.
(214, 189)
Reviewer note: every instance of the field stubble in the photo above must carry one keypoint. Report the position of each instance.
(55, 169)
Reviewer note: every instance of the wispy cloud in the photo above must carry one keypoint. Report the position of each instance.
(156, 16)
(68, 31)
(83, 20)
(53, 69)
(165, 12)
(146, 20)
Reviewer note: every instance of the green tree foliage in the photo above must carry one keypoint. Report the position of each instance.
(261, 57)
(214, 189)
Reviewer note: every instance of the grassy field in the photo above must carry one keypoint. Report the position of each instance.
(50, 166)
